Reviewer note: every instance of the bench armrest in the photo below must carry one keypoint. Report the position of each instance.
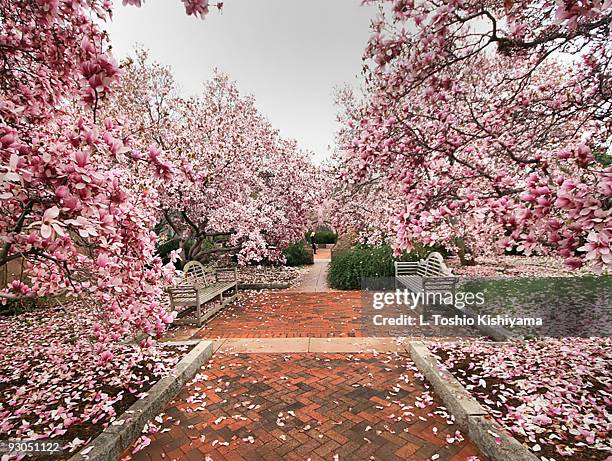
(190, 282)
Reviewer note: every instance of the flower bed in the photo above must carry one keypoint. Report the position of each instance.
(269, 274)
(516, 266)
(55, 383)
(554, 396)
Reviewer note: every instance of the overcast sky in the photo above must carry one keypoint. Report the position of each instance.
(290, 54)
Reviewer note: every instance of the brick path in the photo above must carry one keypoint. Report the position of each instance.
(283, 314)
(315, 280)
(302, 405)
(305, 406)
(288, 315)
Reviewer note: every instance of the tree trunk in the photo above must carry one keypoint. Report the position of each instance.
(465, 255)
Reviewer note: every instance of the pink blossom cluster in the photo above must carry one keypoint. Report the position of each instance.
(484, 134)
(71, 213)
(87, 174)
(220, 164)
(78, 229)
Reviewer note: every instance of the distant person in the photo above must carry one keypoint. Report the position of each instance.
(312, 242)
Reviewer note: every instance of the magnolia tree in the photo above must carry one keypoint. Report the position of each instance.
(68, 212)
(493, 121)
(361, 205)
(223, 170)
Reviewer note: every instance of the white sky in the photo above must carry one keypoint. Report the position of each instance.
(290, 54)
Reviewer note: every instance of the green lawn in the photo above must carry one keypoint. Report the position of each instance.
(568, 306)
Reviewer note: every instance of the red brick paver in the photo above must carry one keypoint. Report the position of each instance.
(279, 314)
(283, 314)
(301, 406)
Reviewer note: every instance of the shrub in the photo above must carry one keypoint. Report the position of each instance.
(296, 254)
(324, 237)
(348, 268)
(164, 249)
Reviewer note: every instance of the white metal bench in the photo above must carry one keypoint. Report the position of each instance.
(202, 284)
(428, 275)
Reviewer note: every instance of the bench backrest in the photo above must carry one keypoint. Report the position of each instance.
(199, 273)
(434, 266)
(405, 268)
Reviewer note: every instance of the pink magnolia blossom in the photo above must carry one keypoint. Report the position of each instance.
(72, 210)
(472, 134)
(228, 168)
(597, 247)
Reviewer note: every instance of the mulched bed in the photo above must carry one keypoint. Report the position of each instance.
(269, 274)
(516, 266)
(55, 383)
(554, 396)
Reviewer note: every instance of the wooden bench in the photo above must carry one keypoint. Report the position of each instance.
(427, 276)
(200, 285)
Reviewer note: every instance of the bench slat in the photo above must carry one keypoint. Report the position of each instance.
(426, 275)
(200, 285)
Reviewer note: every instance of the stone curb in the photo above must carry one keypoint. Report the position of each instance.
(456, 398)
(469, 415)
(338, 345)
(482, 430)
(122, 432)
(264, 286)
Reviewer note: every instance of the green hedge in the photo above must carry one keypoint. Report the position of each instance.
(348, 268)
(297, 255)
(323, 237)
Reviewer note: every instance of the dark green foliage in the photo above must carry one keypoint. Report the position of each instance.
(164, 249)
(323, 237)
(296, 254)
(347, 269)
(326, 237)
(602, 157)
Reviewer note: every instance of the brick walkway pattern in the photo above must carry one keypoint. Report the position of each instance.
(305, 406)
(282, 314)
